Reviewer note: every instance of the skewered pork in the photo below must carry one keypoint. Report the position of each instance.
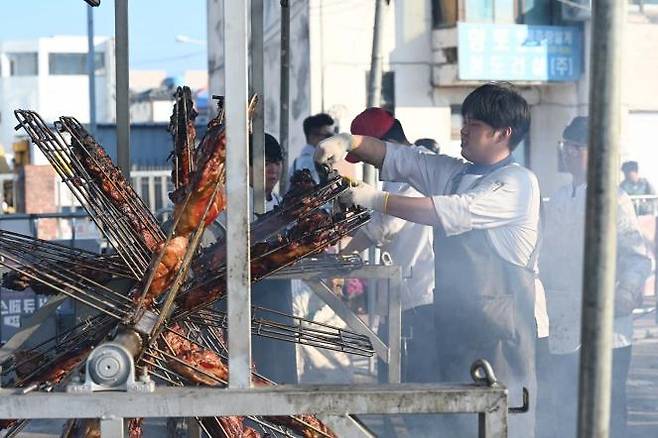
(206, 187)
(183, 131)
(111, 181)
(207, 368)
(204, 367)
(308, 236)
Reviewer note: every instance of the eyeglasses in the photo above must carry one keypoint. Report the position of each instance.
(571, 148)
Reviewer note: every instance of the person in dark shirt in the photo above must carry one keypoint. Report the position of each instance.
(634, 185)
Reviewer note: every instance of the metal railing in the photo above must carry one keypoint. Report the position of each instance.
(153, 186)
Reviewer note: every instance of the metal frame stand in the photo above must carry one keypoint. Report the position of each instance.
(488, 401)
(388, 353)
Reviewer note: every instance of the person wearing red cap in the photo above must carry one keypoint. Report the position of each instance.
(409, 245)
(485, 214)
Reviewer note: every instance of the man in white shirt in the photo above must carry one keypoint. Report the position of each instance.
(485, 216)
(410, 247)
(561, 269)
(316, 128)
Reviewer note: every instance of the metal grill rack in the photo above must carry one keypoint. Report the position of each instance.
(110, 221)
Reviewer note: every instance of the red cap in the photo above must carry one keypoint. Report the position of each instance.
(373, 122)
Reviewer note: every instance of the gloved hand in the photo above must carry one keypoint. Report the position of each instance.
(333, 149)
(365, 196)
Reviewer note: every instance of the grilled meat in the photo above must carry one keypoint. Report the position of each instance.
(183, 131)
(205, 367)
(111, 181)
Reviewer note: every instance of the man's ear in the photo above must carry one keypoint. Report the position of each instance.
(504, 134)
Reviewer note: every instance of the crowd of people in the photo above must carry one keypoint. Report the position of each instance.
(489, 272)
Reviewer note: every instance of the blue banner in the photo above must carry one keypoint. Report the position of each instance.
(515, 52)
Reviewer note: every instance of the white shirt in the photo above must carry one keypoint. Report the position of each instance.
(505, 203)
(410, 247)
(561, 265)
(305, 161)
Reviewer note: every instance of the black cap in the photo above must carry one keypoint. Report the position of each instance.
(577, 130)
(273, 151)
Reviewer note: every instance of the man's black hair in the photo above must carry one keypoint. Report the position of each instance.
(396, 134)
(499, 106)
(428, 143)
(273, 151)
(630, 166)
(315, 122)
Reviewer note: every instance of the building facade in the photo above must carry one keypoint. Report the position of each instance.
(435, 52)
(49, 75)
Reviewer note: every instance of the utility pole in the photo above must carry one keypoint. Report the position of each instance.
(122, 86)
(91, 69)
(601, 214)
(375, 76)
(374, 99)
(284, 111)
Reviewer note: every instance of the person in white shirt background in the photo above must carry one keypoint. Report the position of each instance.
(561, 270)
(410, 247)
(485, 215)
(316, 128)
(274, 359)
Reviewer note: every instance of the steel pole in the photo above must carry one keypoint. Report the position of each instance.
(284, 104)
(375, 76)
(374, 99)
(600, 224)
(91, 70)
(122, 85)
(237, 178)
(258, 122)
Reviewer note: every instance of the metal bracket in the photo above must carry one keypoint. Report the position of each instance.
(110, 367)
(146, 322)
(525, 407)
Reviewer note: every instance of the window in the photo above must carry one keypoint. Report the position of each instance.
(73, 63)
(23, 64)
(538, 12)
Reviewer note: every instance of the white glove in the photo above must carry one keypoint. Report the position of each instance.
(333, 149)
(365, 196)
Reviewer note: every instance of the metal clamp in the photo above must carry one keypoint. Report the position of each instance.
(483, 374)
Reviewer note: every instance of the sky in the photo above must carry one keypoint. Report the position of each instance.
(154, 25)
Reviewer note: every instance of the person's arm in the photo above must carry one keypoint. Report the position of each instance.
(493, 203)
(633, 264)
(360, 148)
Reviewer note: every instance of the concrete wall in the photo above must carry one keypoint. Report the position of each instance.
(299, 61)
(421, 112)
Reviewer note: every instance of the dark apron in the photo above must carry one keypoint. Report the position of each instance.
(484, 308)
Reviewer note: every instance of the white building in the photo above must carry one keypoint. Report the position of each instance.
(49, 75)
(428, 74)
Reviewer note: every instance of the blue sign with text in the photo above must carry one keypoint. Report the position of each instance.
(515, 52)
